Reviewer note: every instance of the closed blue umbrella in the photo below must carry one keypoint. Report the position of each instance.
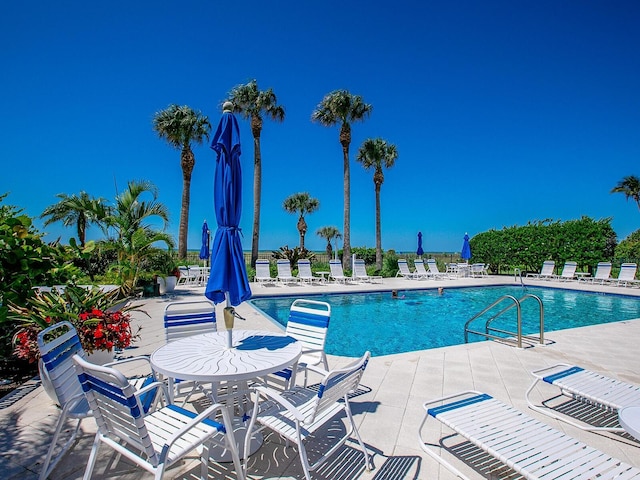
(420, 251)
(204, 249)
(466, 248)
(228, 279)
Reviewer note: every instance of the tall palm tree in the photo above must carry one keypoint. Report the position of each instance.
(253, 103)
(341, 107)
(301, 203)
(329, 233)
(181, 126)
(376, 153)
(79, 210)
(630, 186)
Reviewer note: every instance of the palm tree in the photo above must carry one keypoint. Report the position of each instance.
(341, 107)
(329, 233)
(377, 153)
(630, 186)
(252, 103)
(81, 210)
(181, 126)
(301, 203)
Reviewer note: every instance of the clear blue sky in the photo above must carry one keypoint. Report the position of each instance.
(502, 112)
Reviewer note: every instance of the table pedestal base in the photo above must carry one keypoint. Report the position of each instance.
(220, 454)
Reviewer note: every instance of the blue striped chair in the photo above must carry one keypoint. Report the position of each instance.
(124, 426)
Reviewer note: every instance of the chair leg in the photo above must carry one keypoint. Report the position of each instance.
(93, 456)
(367, 460)
(304, 460)
(50, 461)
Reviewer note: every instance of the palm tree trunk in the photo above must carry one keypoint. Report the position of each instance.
(378, 233)
(302, 228)
(345, 140)
(257, 192)
(187, 161)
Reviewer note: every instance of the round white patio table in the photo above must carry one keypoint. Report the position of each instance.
(629, 418)
(206, 358)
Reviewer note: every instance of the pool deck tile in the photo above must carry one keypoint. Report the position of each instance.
(388, 410)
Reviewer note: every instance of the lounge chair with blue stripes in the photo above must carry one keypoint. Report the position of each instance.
(522, 443)
(304, 272)
(585, 386)
(154, 441)
(284, 272)
(627, 275)
(337, 274)
(568, 271)
(360, 272)
(403, 271)
(603, 271)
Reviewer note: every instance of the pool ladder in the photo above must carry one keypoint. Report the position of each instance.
(489, 332)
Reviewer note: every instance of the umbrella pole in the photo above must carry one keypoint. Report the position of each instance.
(228, 320)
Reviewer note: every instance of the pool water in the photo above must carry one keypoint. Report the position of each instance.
(423, 319)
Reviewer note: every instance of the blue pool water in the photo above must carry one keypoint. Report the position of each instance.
(423, 319)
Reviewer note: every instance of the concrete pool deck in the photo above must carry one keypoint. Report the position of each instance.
(388, 408)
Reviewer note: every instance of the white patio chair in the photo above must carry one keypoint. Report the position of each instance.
(420, 270)
(627, 275)
(298, 413)
(587, 387)
(603, 271)
(403, 271)
(337, 274)
(360, 272)
(196, 274)
(263, 272)
(568, 272)
(476, 270)
(284, 272)
(435, 272)
(304, 272)
(185, 319)
(156, 440)
(528, 446)
(185, 278)
(546, 272)
(57, 345)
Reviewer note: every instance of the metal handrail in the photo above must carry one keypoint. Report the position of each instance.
(516, 303)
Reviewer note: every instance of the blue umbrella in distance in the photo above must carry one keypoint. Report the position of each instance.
(420, 251)
(466, 248)
(204, 249)
(228, 279)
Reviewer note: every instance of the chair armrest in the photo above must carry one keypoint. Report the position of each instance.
(276, 397)
(317, 369)
(208, 413)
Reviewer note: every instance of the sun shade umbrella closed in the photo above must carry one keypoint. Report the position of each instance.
(204, 249)
(228, 279)
(466, 248)
(420, 251)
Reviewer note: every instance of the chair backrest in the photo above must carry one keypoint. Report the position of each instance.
(58, 344)
(569, 269)
(418, 263)
(477, 269)
(603, 271)
(547, 267)
(262, 269)
(403, 266)
(284, 268)
(308, 323)
(627, 271)
(184, 319)
(433, 266)
(337, 385)
(336, 268)
(359, 268)
(304, 268)
(117, 410)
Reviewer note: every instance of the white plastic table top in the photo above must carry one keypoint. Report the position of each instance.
(629, 418)
(206, 358)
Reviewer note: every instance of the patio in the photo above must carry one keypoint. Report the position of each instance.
(387, 408)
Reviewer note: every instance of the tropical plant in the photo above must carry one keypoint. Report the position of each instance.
(79, 210)
(341, 107)
(628, 250)
(181, 126)
(630, 186)
(301, 203)
(376, 153)
(293, 255)
(329, 233)
(135, 235)
(253, 103)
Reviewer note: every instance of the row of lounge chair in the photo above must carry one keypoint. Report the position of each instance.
(306, 276)
(193, 275)
(421, 273)
(602, 276)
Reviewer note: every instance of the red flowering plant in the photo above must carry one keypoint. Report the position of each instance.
(102, 320)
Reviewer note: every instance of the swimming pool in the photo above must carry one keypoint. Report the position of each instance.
(422, 319)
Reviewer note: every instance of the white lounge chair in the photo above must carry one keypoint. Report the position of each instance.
(299, 413)
(434, 271)
(284, 272)
(337, 274)
(153, 441)
(304, 272)
(360, 272)
(584, 386)
(263, 272)
(526, 445)
(568, 272)
(627, 275)
(603, 271)
(546, 272)
(403, 271)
